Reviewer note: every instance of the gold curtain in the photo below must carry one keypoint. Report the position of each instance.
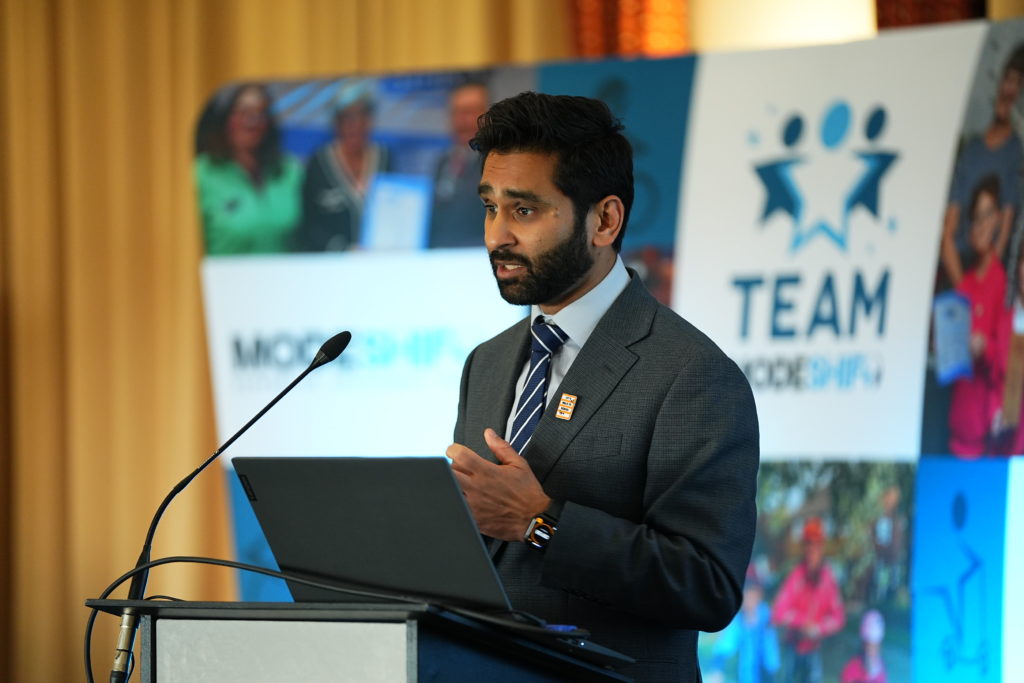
(651, 28)
(104, 387)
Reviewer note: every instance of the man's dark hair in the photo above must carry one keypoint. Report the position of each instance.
(593, 157)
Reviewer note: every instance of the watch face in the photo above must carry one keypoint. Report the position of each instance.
(542, 533)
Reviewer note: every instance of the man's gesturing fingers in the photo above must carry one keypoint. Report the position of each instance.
(463, 459)
(502, 449)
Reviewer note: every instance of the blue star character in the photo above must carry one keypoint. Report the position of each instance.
(781, 193)
(865, 191)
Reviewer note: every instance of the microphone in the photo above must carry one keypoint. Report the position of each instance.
(329, 351)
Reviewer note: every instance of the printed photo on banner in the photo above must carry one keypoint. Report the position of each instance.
(826, 596)
(963, 581)
(652, 99)
(974, 381)
(345, 164)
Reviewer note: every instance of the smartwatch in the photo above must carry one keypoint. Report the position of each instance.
(541, 530)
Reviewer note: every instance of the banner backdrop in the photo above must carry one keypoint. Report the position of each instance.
(650, 97)
(394, 391)
(814, 183)
(790, 203)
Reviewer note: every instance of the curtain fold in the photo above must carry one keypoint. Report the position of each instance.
(104, 387)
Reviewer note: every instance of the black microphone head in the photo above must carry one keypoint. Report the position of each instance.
(332, 348)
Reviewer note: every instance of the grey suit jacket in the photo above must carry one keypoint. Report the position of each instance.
(654, 474)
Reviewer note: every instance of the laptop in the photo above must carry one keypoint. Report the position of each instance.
(390, 525)
(396, 528)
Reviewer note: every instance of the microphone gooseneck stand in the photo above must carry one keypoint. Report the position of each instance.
(330, 350)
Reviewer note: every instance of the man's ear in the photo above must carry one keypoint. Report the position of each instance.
(609, 212)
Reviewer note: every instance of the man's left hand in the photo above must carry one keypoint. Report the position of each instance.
(503, 497)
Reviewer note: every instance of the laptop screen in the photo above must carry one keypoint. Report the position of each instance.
(381, 524)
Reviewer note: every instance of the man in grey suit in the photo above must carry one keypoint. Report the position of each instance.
(630, 510)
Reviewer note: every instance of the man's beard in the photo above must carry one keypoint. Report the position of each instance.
(548, 276)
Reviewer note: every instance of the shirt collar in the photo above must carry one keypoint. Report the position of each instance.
(579, 318)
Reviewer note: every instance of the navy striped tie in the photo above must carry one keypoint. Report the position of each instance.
(547, 338)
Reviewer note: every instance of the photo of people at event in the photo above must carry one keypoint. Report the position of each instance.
(826, 596)
(975, 382)
(331, 160)
(289, 167)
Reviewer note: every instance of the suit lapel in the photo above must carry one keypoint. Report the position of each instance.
(602, 363)
(503, 372)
